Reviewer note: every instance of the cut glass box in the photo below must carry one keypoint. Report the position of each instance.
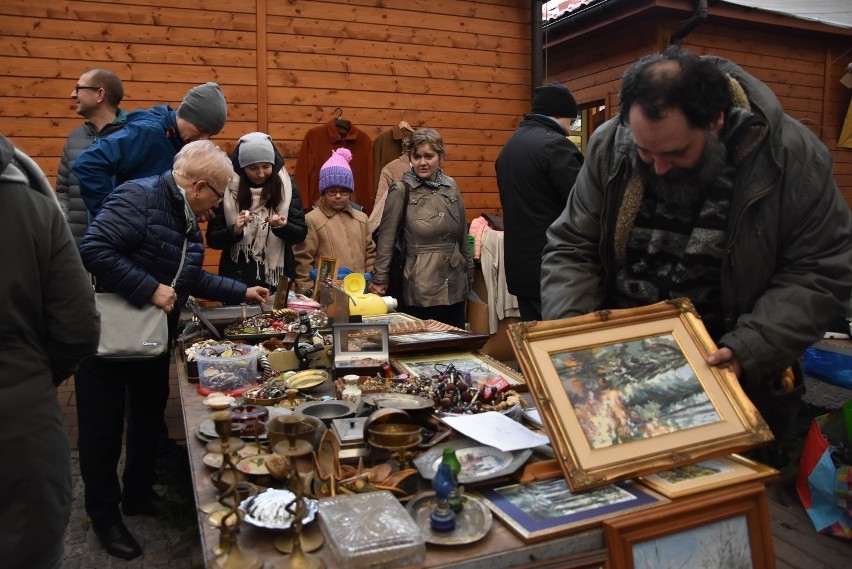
(371, 530)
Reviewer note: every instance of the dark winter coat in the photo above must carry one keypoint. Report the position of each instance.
(135, 243)
(787, 261)
(145, 147)
(67, 186)
(535, 172)
(49, 324)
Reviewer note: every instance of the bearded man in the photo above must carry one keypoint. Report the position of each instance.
(702, 187)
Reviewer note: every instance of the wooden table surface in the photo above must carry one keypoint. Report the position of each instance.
(499, 549)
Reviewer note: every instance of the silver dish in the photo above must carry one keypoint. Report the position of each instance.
(269, 509)
(472, 523)
(207, 431)
(397, 401)
(479, 462)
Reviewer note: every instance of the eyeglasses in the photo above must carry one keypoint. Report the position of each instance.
(333, 192)
(84, 87)
(219, 194)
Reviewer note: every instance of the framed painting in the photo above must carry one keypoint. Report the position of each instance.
(480, 367)
(728, 528)
(436, 340)
(327, 270)
(625, 393)
(547, 508)
(708, 475)
(360, 345)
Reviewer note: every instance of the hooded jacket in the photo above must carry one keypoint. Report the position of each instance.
(145, 147)
(135, 243)
(67, 186)
(787, 261)
(536, 169)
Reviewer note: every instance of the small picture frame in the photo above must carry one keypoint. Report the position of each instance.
(728, 528)
(544, 509)
(624, 393)
(436, 340)
(708, 475)
(480, 367)
(360, 348)
(327, 270)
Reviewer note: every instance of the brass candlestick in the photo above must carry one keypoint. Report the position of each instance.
(228, 552)
(294, 448)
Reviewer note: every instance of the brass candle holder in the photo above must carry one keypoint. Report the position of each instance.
(229, 555)
(294, 448)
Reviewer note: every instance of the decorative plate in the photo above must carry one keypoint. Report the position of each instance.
(472, 522)
(269, 509)
(478, 462)
(253, 465)
(397, 401)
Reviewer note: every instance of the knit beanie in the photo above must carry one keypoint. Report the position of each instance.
(554, 100)
(336, 171)
(204, 106)
(255, 147)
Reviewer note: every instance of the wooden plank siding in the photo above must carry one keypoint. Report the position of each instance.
(803, 68)
(460, 66)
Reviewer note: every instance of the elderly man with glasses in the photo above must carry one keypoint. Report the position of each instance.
(134, 247)
(148, 143)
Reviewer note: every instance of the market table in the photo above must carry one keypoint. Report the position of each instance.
(499, 549)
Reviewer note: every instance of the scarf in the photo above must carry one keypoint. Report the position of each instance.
(255, 244)
(439, 179)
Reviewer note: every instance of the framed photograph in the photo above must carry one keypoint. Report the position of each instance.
(624, 393)
(547, 508)
(480, 367)
(327, 271)
(360, 345)
(436, 340)
(708, 475)
(728, 528)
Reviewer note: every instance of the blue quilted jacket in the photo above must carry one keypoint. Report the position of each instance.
(135, 243)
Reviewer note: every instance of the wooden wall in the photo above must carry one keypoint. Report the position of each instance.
(803, 69)
(460, 66)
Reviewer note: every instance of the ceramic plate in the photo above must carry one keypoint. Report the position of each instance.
(254, 465)
(472, 522)
(269, 509)
(397, 401)
(479, 462)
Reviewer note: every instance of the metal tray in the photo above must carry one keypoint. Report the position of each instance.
(479, 462)
(472, 523)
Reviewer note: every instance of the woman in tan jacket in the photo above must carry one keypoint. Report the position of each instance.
(335, 228)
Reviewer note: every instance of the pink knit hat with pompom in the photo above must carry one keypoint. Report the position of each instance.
(336, 171)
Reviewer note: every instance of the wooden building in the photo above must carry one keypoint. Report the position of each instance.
(590, 46)
(460, 66)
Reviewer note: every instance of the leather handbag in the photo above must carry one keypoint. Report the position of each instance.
(131, 333)
(397, 264)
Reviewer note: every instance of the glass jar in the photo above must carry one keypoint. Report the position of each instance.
(352, 392)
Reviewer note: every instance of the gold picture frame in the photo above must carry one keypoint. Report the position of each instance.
(707, 475)
(463, 361)
(327, 270)
(624, 393)
(728, 528)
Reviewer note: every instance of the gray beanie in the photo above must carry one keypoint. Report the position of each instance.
(204, 106)
(255, 147)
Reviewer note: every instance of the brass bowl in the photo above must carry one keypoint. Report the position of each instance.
(395, 434)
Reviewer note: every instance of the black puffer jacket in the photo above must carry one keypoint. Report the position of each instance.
(67, 187)
(135, 243)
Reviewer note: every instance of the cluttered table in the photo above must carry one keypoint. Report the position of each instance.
(499, 548)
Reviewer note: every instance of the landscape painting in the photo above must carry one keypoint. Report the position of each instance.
(633, 390)
(720, 545)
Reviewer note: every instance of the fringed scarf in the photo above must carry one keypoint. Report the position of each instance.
(255, 244)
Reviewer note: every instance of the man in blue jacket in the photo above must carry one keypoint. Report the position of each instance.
(149, 142)
(535, 172)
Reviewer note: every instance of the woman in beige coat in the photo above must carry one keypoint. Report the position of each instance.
(335, 228)
(438, 269)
